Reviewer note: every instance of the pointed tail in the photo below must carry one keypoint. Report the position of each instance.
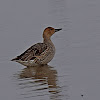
(15, 59)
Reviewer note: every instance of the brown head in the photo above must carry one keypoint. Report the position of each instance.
(49, 31)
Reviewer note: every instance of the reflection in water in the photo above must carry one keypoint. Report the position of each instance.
(42, 80)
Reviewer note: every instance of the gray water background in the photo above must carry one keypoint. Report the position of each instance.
(75, 69)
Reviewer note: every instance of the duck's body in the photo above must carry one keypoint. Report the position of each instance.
(40, 53)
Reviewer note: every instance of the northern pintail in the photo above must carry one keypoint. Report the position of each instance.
(40, 53)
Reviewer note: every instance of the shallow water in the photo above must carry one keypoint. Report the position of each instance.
(74, 72)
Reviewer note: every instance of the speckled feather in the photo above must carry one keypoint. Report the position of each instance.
(33, 51)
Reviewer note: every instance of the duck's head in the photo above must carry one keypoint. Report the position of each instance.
(49, 31)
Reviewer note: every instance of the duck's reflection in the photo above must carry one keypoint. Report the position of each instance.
(40, 79)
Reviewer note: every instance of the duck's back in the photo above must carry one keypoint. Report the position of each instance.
(33, 51)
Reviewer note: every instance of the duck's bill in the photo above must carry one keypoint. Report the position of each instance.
(56, 30)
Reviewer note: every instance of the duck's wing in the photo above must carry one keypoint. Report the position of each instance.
(33, 51)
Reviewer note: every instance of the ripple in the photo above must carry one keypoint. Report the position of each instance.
(42, 83)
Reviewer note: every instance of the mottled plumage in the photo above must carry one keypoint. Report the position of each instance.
(40, 53)
(33, 51)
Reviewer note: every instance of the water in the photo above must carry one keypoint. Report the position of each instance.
(73, 74)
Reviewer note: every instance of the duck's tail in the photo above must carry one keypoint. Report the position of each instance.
(14, 59)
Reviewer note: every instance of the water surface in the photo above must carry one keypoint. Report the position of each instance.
(74, 72)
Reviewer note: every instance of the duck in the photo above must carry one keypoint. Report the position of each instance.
(39, 53)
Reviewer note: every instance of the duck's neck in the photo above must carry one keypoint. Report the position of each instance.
(47, 40)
